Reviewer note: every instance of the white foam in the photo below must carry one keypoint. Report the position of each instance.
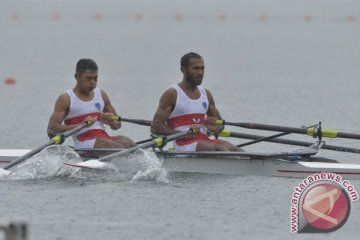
(152, 169)
(4, 172)
(47, 163)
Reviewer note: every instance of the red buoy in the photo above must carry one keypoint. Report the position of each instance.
(10, 81)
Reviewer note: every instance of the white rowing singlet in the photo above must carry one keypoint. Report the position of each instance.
(79, 110)
(187, 111)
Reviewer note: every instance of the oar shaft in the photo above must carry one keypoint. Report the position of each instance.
(293, 142)
(54, 140)
(309, 131)
(76, 129)
(155, 142)
(136, 121)
(29, 154)
(128, 150)
(262, 139)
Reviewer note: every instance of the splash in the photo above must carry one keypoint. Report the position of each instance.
(140, 166)
(46, 164)
(143, 165)
(152, 170)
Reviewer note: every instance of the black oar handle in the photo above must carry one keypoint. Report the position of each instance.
(136, 121)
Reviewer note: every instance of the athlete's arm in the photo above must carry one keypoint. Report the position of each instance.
(109, 111)
(166, 105)
(213, 114)
(61, 108)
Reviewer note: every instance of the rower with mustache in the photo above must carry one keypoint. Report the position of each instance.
(187, 104)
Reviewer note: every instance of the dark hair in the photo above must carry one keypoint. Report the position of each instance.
(86, 64)
(184, 62)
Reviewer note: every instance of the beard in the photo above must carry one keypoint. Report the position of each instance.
(194, 81)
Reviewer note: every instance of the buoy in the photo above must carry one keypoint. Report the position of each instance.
(10, 81)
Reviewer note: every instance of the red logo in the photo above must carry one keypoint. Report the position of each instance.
(325, 207)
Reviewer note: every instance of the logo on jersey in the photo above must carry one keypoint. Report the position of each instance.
(204, 104)
(196, 120)
(98, 106)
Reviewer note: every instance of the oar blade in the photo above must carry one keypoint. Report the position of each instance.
(92, 164)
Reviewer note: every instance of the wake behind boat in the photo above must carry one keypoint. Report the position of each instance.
(299, 163)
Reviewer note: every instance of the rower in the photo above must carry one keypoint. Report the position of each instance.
(87, 102)
(186, 105)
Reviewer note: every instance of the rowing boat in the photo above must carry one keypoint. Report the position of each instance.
(299, 163)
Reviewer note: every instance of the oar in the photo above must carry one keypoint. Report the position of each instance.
(157, 142)
(55, 140)
(309, 131)
(266, 138)
(262, 139)
(227, 133)
(136, 121)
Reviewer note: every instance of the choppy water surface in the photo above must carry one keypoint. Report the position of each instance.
(268, 62)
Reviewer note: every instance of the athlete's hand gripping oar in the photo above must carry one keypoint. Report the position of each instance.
(58, 139)
(136, 121)
(157, 142)
(309, 131)
(227, 133)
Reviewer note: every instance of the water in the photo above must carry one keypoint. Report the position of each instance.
(280, 71)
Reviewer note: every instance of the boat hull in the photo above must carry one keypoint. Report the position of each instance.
(267, 167)
(232, 165)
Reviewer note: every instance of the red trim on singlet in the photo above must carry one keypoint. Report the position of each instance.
(184, 120)
(197, 138)
(94, 134)
(81, 118)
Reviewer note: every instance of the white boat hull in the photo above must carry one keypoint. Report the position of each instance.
(268, 167)
(230, 165)
(11, 154)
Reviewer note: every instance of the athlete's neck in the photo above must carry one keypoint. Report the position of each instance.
(83, 94)
(189, 86)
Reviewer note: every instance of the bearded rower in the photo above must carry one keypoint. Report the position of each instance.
(187, 104)
(87, 102)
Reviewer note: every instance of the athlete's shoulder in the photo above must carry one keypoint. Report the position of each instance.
(63, 101)
(169, 97)
(170, 92)
(64, 97)
(209, 95)
(208, 92)
(103, 92)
